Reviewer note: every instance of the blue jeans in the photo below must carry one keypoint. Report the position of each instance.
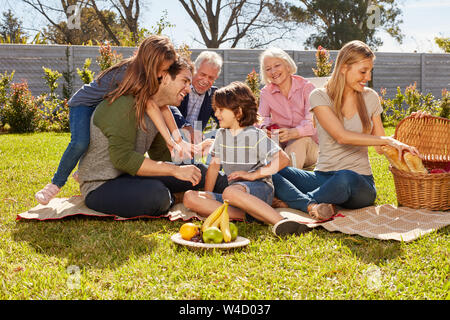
(299, 188)
(80, 121)
(133, 196)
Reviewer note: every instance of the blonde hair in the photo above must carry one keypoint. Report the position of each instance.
(275, 53)
(351, 53)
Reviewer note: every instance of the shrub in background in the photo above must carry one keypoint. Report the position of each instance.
(20, 111)
(54, 112)
(107, 57)
(86, 75)
(403, 104)
(323, 63)
(253, 82)
(5, 84)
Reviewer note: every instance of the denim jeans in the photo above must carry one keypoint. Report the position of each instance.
(259, 189)
(80, 121)
(346, 188)
(133, 196)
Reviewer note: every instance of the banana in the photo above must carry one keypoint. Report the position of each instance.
(225, 223)
(212, 217)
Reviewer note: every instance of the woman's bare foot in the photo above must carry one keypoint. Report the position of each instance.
(321, 211)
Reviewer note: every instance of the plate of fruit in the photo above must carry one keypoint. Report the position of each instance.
(215, 232)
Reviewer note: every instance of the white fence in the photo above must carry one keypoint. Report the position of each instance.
(430, 71)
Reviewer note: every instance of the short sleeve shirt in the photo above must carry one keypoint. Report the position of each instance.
(247, 151)
(334, 156)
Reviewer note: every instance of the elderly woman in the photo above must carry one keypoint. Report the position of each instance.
(284, 106)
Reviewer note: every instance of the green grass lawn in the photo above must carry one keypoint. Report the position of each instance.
(89, 258)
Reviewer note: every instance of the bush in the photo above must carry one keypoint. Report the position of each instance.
(107, 57)
(54, 111)
(323, 63)
(5, 83)
(86, 75)
(20, 111)
(400, 107)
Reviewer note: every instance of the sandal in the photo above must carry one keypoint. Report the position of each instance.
(321, 211)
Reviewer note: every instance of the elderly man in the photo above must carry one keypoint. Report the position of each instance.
(196, 107)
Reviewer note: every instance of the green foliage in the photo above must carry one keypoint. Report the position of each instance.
(5, 84)
(51, 77)
(68, 76)
(86, 75)
(339, 21)
(136, 260)
(443, 43)
(253, 82)
(54, 114)
(11, 30)
(20, 111)
(130, 39)
(398, 108)
(107, 57)
(323, 63)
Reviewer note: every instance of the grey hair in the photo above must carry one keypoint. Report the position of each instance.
(209, 57)
(275, 53)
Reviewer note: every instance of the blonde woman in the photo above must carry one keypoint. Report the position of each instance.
(348, 120)
(284, 106)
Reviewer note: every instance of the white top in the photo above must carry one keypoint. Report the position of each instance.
(334, 156)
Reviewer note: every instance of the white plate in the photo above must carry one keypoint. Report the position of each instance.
(239, 242)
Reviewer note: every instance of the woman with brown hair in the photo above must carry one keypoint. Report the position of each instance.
(115, 175)
(348, 120)
(140, 76)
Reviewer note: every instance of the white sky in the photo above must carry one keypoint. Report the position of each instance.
(423, 20)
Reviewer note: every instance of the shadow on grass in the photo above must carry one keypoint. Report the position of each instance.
(90, 242)
(367, 250)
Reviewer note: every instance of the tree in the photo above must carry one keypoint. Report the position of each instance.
(92, 29)
(11, 29)
(443, 43)
(127, 12)
(231, 21)
(340, 21)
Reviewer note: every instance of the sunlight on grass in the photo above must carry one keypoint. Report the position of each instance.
(137, 260)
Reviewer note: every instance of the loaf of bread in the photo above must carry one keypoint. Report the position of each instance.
(414, 163)
(391, 154)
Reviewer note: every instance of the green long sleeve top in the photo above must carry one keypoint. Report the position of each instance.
(116, 145)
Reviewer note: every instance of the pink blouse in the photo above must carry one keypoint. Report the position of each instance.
(291, 112)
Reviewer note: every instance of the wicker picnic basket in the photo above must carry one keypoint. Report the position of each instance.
(431, 136)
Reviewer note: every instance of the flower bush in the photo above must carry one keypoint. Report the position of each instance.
(411, 100)
(107, 57)
(323, 63)
(253, 82)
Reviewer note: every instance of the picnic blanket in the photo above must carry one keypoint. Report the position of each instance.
(385, 222)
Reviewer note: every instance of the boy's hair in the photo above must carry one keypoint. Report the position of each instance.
(237, 96)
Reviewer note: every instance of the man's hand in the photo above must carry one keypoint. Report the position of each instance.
(188, 173)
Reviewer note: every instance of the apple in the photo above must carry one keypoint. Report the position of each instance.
(212, 235)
